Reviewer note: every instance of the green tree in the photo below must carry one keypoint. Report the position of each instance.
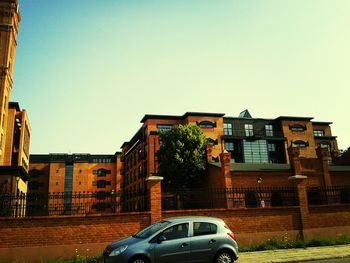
(181, 156)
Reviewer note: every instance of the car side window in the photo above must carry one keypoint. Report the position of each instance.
(175, 232)
(203, 228)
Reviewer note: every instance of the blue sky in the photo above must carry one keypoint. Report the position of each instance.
(87, 71)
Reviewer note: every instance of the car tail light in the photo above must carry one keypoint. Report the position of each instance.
(231, 235)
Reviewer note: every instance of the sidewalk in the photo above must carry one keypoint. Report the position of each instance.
(295, 255)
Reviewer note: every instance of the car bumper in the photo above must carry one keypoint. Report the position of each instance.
(116, 259)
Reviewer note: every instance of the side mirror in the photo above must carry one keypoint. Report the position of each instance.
(160, 239)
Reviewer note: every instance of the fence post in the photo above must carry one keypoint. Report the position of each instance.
(299, 182)
(322, 154)
(225, 159)
(155, 197)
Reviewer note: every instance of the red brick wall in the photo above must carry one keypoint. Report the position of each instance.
(28, 238)
(59, 237)
(328, 221)
(252, 226)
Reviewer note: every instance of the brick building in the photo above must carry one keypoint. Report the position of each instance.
(14, 125)
(242, 152)
(250, 141)
(72, 179)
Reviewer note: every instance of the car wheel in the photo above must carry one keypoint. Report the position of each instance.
(224, 257)
(139, 260)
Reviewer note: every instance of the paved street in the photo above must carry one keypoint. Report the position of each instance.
(297, 255)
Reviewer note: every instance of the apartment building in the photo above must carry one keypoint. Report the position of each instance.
(70, 183)
(250, 141)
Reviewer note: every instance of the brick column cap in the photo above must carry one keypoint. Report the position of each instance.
(297, 177)
(155, 178)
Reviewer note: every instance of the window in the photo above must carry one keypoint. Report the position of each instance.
(326, 145)
(318, 133)
(102, 183)
(271, 147)
(206, 124)
(300, 144)
(175, 232)
(255, 151)
(249, 130)
(227, 129)
(212, 141)
(152, 229)
(229, 146)
(269, 130)
(101, 172)
(34, 173)
(202, 228)
(164, 127)
(297, 128)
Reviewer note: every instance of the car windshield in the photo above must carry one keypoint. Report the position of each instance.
(149, 231)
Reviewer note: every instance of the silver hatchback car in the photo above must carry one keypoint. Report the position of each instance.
(178, 240)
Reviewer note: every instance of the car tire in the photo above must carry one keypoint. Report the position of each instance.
(224, 257)
(139, 260)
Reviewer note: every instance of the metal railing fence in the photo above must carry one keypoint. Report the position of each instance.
(328, 195)
(182, 199)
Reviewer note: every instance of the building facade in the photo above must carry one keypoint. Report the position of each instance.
(248, 140)
(14, 125)
(74, 183)
(9, 22)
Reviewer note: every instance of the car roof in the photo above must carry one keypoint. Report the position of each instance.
(193, 218)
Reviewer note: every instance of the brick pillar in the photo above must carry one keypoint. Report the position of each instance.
(226, 181)
(299, 181)
(322, 154)
(209, 151)
(294, 159)
(155, 197)
(225, 159)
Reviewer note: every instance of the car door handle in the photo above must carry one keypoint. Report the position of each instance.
(184, 245)
(211, 241)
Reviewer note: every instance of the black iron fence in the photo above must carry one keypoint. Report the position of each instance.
(67, 203)
(328, 195)
(179, 199)
(83, 203)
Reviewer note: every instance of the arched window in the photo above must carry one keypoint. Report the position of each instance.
(297, 128)
(212, 142)
(206, 124)
(276, 199)
(344, 197)
(300, 144)
(314, 197)
(250, 200)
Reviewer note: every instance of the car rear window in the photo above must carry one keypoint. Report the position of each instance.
(204, 228)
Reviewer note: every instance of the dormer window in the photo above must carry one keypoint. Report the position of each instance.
(269, 130)
(297, 128)
(300, 144)
(206, 124)
(249, 130)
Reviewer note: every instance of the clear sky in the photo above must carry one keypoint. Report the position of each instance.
(87, 71)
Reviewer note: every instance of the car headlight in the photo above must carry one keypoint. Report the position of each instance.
(118, 251)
